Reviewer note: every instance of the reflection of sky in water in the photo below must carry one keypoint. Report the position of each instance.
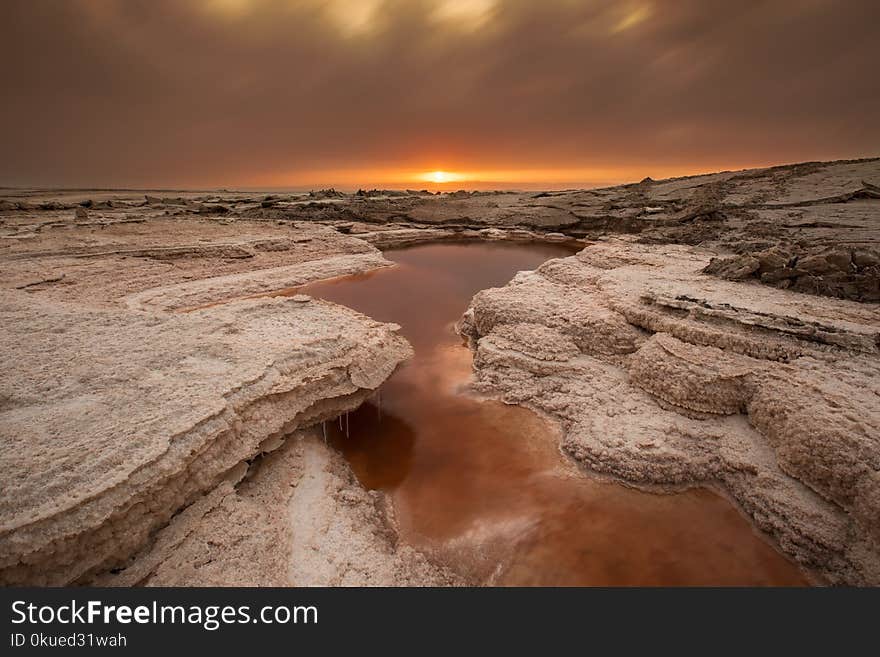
(486, 482)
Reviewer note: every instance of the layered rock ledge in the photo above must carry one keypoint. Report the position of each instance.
(114, 420)
(662, 375)
(146, 377)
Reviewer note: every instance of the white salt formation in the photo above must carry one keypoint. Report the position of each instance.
(660, 374)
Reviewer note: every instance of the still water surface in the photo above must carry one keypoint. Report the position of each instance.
(484, 484)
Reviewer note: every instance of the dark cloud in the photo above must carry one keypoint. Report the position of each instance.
(232, 92)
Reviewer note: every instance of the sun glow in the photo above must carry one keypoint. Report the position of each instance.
(440, 177)
(465, 178)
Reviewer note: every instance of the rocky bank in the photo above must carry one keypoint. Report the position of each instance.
(160, 414)
(146, 379)
(662, 375)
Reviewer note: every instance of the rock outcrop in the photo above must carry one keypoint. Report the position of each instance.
(113, 420)
(847, 273)
(662, 375)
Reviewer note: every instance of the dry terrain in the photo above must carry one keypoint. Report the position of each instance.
(161, 415)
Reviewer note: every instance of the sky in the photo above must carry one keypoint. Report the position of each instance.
(493, 93)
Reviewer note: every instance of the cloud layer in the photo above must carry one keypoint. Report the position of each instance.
(274, 92)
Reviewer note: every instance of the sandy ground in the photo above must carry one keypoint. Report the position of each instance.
(718, 329)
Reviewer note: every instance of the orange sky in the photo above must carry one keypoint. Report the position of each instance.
(515, 93)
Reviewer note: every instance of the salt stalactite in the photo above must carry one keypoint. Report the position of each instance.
(340, 423)
(324, 430)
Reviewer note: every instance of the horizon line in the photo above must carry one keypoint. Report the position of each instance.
(420, 184)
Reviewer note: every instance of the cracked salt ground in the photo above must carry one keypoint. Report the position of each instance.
(482, 485)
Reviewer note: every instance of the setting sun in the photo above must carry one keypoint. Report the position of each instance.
(441, 177)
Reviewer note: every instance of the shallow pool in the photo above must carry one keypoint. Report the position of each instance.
(484, 485)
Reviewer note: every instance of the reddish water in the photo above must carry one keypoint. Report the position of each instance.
(484, 484)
